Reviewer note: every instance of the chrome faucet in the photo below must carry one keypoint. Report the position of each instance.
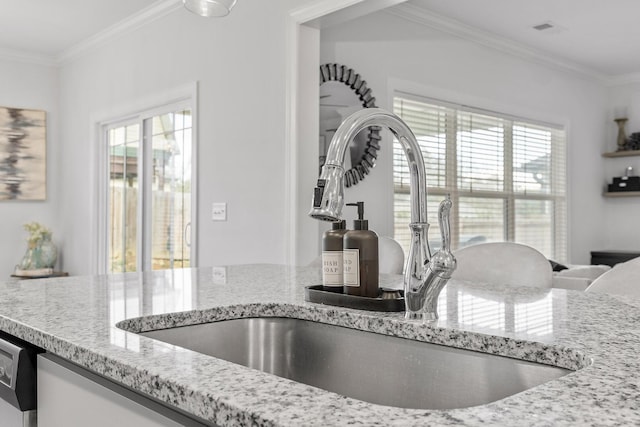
(424, 276)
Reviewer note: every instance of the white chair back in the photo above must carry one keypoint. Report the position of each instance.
(622, 279)
(390, 255)
(503, 263)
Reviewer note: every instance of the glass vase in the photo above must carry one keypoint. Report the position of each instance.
(48, 253)
(40, 254)
(28, 261)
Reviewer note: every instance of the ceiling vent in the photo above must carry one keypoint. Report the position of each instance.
(549, 28)
(544, 26)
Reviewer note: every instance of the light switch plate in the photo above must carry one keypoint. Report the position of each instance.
(219, 212)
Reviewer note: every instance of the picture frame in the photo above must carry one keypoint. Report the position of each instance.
(23, 154)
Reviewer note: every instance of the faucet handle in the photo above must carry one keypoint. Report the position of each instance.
(444, 214)
(421, 292)
(443, 263)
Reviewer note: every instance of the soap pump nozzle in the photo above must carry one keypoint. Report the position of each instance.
(360, 223)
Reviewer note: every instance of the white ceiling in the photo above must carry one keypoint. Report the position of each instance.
(49, 27)
(601, 35)
(597, 36)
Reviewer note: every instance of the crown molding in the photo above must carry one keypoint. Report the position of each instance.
(438, 22)
(155, 11)
(321, 14)
(15, 55)
(309, 12)
(623, 79)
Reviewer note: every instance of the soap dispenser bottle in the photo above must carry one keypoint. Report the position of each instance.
(360, 247)
(332, 261)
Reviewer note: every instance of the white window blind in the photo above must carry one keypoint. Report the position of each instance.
(506, 176)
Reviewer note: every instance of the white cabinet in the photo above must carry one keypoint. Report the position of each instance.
(71, 396)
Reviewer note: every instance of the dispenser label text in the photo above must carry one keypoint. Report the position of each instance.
(351, 267)
(332, 268)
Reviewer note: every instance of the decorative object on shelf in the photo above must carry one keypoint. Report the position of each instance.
(22, 154)
(622, 137)
(343, 92)
(627, 185)
(633, 142)
(628, 182)
(41, 253)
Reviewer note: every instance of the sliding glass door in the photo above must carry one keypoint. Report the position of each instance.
(150, 220)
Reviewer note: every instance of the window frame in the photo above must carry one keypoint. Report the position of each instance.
(508, 195)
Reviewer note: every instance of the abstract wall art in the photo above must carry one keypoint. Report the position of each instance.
(23, 154)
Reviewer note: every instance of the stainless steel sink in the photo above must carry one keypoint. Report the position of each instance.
(363, 365)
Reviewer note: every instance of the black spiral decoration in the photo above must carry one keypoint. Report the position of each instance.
(344, 74)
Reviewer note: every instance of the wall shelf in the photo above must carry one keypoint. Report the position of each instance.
(621, 194)
(624, 153)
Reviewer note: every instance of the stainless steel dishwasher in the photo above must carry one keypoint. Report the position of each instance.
(17, 383)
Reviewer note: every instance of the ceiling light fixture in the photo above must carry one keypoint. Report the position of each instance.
(209, 8)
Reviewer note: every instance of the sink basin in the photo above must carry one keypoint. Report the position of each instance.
(371, 367)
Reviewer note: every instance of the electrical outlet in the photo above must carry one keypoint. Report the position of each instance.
(219, 212)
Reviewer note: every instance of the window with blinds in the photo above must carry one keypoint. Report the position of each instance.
(506, 176)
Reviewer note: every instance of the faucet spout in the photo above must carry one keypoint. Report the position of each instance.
(329, 194)
(423, 277)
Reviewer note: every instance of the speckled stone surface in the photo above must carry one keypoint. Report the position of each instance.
(595, 334)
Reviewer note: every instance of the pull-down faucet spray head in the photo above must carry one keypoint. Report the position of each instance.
(328, 196)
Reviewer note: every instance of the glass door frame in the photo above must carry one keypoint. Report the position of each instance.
(143, 260)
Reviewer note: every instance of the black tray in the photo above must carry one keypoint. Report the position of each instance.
(316, 294)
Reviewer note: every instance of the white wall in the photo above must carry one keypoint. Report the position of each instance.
(621, 228)
(308, 231)
(239, 64)
(32, 86)
(391, 53)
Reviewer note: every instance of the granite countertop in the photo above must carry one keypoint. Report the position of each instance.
(76, 318)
